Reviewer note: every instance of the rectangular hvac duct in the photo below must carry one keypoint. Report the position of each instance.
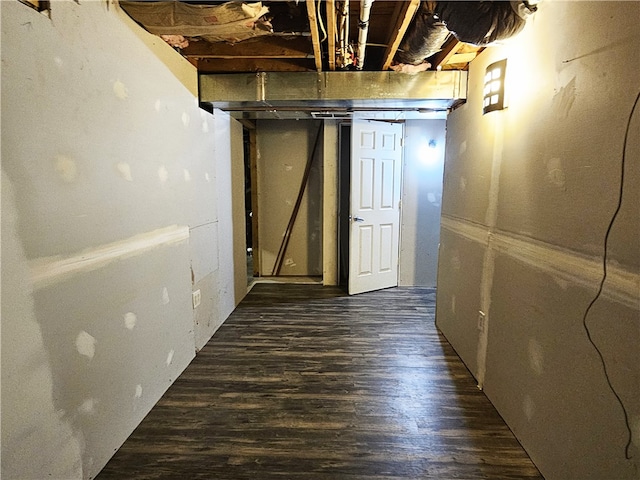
(334, 91)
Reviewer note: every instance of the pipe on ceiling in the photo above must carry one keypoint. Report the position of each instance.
(363, 31)
(343, 59)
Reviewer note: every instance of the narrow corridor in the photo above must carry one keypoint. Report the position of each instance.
(303, 381)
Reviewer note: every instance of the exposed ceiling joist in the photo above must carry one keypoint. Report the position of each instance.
(237, 65)
(331, 33)
(465, 58)
(404, 14)
(284, 36)
(268, 47)
(315, 35)
(450, 47)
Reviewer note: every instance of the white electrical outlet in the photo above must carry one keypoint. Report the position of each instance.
(481, 321)
(196, 297)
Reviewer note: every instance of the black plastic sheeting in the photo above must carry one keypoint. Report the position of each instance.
(478, 23)
(424, 38)
(481, 23)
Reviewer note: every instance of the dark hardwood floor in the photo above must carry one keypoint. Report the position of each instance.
(305, 382)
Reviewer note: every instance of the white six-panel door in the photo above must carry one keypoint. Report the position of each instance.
(376, 169)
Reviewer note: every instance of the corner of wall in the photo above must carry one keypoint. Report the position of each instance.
(184, 71)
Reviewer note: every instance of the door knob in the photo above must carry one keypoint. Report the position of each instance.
(358, 219)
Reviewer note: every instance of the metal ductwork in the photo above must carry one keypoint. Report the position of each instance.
(241, 94)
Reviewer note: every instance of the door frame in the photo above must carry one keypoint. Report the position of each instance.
(343, 208)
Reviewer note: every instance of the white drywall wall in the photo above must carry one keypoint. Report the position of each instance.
(421, 200)
(108, 169)
(283, 149)
(528, 195)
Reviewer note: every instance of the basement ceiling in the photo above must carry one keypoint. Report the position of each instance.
(256, 45)
(289, 36)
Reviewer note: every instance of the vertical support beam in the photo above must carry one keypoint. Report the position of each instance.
(253, 159)
(404, 14)
(331, 33)
(330, 207)
(315, 36)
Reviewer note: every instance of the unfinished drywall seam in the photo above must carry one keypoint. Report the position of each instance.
(330, 204)
(483, 314)
(564, 266)
(488, 261)
(48, 270)
(27, 378)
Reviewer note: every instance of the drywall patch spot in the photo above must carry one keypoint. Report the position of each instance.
(453, 304)
(562, 283)
(287, 167)
(165, 296)
(528, 407)
(563, 100)
(158, 105)
(462, 148)
(124, 170)
(138, 391)
(86, 344)
(187, 175)
(170, 356)
(207, 177)
(463, 184)
(536, 356)
(431, 197)
(555, 172)
(88, 407)
(163, 174)
(290, 263)
(58, 61)
(120, 90)
(66, 168)
(186, 119)
(130, 320)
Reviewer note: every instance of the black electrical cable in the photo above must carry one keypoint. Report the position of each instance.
(604, 277)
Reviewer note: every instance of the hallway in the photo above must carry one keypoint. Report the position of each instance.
(303, 381)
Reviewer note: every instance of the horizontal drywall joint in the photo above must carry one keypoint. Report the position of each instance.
(562, 264)
(49, 270)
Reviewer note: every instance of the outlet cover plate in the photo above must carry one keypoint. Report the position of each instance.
(196, 298)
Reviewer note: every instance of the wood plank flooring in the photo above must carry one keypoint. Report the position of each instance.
(305, 382)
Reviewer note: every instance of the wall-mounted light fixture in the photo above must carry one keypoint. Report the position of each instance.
(494, 87)
(428, 152)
